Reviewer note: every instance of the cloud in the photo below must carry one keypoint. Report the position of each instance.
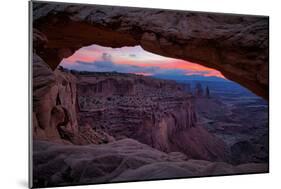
(106, 65)
(106, 57)
(109, 66)
(132, 60)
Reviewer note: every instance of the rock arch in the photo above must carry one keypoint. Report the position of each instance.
(236, 45)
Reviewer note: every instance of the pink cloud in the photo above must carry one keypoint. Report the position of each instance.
(136, 56)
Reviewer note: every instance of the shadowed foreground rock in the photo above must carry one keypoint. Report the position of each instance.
(123, 160)
(236, 45)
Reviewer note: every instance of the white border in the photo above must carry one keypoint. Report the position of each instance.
(14, 92)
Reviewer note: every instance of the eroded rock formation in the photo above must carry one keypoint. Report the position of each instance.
(93, 108)
(153, 111)
(236, 45)
(55, 108)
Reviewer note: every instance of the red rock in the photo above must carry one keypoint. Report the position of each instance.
(236, 45)
(153, 111)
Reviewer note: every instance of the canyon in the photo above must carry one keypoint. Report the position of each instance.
(100, 127)
(85, 108)
(238, 117)
(125, 127)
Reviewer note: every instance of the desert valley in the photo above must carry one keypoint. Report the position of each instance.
(102, 127)
(125, 94)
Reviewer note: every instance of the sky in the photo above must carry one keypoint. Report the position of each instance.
(132, 60)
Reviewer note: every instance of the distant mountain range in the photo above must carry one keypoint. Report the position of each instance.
(191, 78)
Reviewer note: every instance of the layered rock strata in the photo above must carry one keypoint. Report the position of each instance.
(155, 112)
(55, 108)
(85, 108)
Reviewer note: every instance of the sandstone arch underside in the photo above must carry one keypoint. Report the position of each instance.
(236, 45)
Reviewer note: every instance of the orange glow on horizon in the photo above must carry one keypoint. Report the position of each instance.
(137, 57)
(79, 57)
(179, 64)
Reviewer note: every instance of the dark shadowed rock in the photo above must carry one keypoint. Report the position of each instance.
(236, 45)
(123, 160)
(198, 92)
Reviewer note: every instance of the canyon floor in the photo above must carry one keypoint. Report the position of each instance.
(239, 118)
(110, 127)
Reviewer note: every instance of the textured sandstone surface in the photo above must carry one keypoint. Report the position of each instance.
(123, 160)
(55, 108)
(156, 112)
(236, 45)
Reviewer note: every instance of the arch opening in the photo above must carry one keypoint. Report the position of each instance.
(124, 77)
(136, 60)
(58, 36)
(110, 79)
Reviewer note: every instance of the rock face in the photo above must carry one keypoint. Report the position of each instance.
(239, 118)
(236, 45)
(123, 160)
(55, 107)
(153, 111)
(198, 90)
(207, 93)
(92, 108)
